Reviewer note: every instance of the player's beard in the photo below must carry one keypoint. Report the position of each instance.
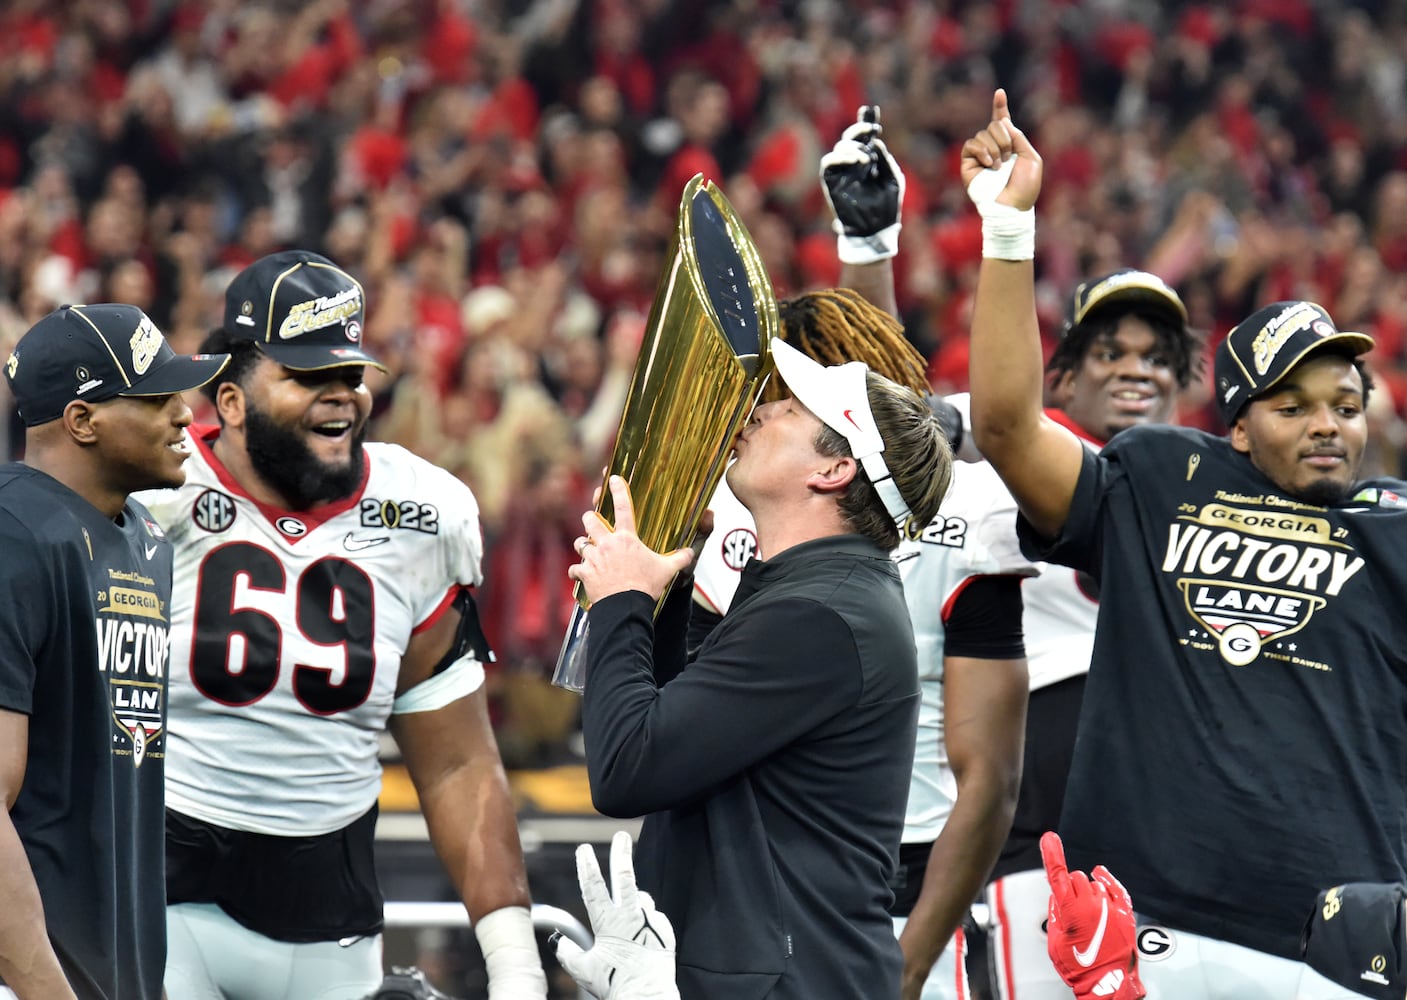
(285, 462)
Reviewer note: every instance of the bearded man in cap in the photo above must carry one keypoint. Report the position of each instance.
(323, 596)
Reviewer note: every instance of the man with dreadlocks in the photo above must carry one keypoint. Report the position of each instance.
(961, 571)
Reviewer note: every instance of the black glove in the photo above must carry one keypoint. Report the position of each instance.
(865, 190)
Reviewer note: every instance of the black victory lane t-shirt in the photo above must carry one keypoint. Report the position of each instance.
(84, 604)
(1243, 740)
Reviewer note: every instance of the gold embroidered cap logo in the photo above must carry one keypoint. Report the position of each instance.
(145, 344)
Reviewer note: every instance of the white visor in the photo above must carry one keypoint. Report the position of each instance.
(837, 396)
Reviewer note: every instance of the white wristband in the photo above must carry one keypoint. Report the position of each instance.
(1008, 233)
(510, 954)
(868, 249)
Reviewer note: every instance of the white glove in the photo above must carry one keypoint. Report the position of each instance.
(864, 188)
(633, 955)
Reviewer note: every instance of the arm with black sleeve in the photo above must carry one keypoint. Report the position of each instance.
(984, 709)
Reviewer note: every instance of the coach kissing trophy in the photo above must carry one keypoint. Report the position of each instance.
(701, 367)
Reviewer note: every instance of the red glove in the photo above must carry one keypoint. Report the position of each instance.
(1090, 931)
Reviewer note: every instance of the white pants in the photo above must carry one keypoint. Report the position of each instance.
(211, 956)
(948, 978)
(1021, 968)
(1176, 965)
(1173, 965)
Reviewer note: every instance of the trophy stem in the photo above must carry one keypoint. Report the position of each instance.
(570, 671)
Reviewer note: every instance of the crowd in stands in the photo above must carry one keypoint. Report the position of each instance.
(503, 178)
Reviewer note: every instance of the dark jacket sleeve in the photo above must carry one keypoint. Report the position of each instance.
(671, 632)
(767, 680)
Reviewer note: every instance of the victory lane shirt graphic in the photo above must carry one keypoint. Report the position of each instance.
(133, 647)
(1253, 570)
(1249, 683)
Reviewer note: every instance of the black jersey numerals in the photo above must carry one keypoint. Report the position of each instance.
(236, 651)
(406, 514)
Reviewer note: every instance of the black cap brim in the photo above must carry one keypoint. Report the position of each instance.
(316, 357)
(178, 373)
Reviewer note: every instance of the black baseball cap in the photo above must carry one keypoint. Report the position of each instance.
(304, 311)
(1128, 288)
(1263, 348)
(1357, 937)
(96, 352)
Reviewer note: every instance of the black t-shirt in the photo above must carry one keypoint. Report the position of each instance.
(1243, 741)
(84, 603)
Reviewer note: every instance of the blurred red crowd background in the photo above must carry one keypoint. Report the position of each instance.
(503, 177)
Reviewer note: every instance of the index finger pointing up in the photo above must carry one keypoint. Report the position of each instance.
(1056, 872)
(999, 109)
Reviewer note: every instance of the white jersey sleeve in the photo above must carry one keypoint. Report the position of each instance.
(1061, 605)
(973, 534)
(287, 634)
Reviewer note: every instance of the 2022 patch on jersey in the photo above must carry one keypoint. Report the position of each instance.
(288, 630)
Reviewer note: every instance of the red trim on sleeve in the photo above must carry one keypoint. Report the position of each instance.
(957, 591)
(953, 598)
(440, 609)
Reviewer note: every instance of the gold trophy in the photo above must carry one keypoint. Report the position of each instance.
(699, 372)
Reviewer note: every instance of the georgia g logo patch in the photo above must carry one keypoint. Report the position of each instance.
(1155, 943)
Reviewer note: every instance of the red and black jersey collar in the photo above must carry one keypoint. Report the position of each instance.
(204, 436)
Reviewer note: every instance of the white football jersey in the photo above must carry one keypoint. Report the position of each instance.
(1061, 605)
(732, 543)
(973, 534)
(287, 630)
